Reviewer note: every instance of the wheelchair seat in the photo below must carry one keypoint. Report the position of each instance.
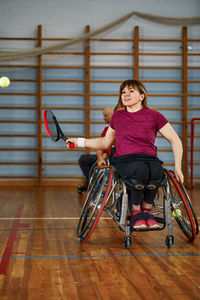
(137, 184)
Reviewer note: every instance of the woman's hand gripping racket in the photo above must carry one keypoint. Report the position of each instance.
(53, 129)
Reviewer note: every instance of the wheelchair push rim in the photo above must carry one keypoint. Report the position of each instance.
(94, 171)
(189, 203)
(88, 207)
(94, 204)
(181, 209)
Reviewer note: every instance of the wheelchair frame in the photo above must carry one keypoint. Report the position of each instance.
(107, 192)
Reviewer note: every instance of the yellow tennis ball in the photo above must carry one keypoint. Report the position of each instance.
(4, 82)
(176, 213)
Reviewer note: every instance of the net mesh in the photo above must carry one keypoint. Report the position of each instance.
(6, 56)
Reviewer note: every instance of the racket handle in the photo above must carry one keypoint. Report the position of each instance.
(71, 145)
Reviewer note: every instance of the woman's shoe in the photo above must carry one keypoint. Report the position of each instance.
(151, 223)
(138, 224)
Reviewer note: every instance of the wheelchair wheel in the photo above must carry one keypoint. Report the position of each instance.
(91, 202)
(92, 176)
(189, 203)
(94, 170)
(94, 203)
(181, 208)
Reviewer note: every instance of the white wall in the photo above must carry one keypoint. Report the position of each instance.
(68, 17)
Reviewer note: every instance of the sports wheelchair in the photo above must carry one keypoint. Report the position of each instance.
(107, 192)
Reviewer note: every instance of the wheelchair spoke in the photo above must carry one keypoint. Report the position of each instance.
(190, 207)
(181, 211)
(94, 204)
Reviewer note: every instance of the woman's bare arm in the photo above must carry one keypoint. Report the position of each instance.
(170, 134)
(99, 143)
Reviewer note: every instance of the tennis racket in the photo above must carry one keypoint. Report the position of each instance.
(53, 128)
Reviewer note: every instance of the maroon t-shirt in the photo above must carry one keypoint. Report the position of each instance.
(135, 132)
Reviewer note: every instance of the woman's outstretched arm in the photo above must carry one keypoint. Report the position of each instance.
(94, 144)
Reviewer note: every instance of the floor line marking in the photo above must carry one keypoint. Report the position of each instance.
(104, 255)
(51, 218)
(55, 218)
(65, 228)
(10, 242)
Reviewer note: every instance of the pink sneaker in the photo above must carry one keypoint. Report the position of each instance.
(151, 223)
(139, 224)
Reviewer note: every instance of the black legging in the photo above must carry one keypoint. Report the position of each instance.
(143, 169)
(86, 161)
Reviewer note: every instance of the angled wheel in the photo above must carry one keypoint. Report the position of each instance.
(92, 175)
(94, 203)
(181, 208)
(94, 171)
(189, 204)
(91, 202)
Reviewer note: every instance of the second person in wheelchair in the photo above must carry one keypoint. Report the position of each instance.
(133, 128)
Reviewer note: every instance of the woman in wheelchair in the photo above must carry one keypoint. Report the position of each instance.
(133, 128)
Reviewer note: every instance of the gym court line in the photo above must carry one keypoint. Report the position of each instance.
(7, 254)
(11, 239)
(50, 218)
(104, 256)
(88, 256)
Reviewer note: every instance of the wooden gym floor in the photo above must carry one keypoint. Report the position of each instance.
(41, 257)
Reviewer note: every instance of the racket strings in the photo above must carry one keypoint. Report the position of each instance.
(52, 126)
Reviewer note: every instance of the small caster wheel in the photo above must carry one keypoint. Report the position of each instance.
(169, 241)
(127, 242)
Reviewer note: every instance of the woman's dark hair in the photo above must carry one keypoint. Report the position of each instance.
(136, 84)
